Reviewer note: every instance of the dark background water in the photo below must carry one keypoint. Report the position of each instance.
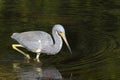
(92, 28)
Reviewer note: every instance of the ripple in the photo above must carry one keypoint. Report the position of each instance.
(100, 63)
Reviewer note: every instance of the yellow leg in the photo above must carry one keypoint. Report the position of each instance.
(18, 45)
(37, 57)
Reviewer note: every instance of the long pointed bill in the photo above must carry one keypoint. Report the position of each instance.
(64, 38)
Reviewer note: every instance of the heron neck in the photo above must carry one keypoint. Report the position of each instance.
(57, 42)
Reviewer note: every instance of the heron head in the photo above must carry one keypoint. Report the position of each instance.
(61, 31)
(59, 28)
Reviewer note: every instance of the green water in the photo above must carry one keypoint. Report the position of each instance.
(92, 29)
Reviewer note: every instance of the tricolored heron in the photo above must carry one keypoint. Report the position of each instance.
(40, 41)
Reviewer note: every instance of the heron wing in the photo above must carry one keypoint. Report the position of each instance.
(34, 40)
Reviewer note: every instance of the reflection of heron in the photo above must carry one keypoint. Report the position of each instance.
(41, 42)
(36, 72)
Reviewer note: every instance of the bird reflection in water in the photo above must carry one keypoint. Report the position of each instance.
(34, 71)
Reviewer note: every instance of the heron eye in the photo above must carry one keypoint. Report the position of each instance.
(60, 32)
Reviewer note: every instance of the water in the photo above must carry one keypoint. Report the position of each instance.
(92, 29)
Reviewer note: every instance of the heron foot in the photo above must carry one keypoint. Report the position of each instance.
(27, 57)
(37, 60)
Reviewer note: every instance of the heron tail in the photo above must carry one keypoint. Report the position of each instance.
(14, 35)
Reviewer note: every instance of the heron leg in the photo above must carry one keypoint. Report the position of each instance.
(14, 46)
(37, 57)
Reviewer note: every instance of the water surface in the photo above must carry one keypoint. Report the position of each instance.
(93, 32)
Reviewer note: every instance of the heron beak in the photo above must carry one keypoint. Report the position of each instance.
(65, 39)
